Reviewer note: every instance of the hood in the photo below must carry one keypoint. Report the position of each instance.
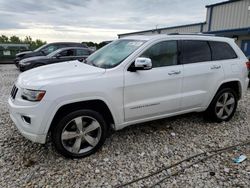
(33, 59)
(23, 53)
(57, 73)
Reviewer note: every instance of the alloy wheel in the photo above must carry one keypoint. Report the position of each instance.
(81, 134)
(225, 105)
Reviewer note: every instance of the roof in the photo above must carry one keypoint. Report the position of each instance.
(65, 43)
(69, 48)
(221, 3)
(177, 37)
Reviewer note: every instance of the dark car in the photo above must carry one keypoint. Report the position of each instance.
(46, 49)
(60, 55)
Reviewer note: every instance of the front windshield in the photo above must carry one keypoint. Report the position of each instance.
(114, 53)
(41, 47)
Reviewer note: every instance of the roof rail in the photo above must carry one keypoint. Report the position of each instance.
(201, 34)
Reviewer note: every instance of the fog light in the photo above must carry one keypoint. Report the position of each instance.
(26, 119)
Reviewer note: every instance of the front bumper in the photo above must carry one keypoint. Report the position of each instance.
(32, 131)
(16, 62)
(23, 67)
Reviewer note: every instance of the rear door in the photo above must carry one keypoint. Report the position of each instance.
(201, 74)
(224, 53)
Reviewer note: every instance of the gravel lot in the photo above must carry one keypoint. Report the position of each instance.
(130, 153)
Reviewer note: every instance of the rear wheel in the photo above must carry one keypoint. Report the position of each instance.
(223, 106)
(79, 134)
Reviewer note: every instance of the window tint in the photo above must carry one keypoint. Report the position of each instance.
(67, 53)
(82, 52)
(221, 50)
(195, 51)
(162, 54)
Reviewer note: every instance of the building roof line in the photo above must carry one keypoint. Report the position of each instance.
(222, 3)
(172, 27)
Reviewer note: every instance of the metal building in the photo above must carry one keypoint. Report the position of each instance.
(228, 18)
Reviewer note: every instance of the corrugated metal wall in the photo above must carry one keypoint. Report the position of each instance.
(231, 15)
(187, 29)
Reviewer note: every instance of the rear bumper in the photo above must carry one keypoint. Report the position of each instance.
(246, 85)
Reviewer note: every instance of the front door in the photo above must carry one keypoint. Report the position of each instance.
(154, 92)
(65, 55)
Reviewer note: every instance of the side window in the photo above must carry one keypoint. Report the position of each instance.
(162, 54)
(194, 51)
(67, 53)
(81, 52)
(221, 50)
(49, 49)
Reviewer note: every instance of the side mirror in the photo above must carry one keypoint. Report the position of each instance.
(142, 63)
(58, 56)
(81, 59)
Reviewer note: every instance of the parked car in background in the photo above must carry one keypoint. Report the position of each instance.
(131, 80)
(46, 49)
(60, 55)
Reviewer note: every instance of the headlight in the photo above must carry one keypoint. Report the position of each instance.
(24, 63)
(32, 95)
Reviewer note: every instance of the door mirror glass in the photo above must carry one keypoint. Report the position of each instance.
(143, 63)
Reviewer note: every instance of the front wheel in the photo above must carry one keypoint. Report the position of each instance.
(223, 106)
(79, 134)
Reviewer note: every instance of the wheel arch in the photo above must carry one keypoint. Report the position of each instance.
(95, 104)
(235, 84)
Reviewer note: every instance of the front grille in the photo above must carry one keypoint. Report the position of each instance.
(13, 92)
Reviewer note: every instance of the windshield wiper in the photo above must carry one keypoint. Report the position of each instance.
(88, 62)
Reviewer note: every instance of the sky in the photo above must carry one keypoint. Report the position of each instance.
(94, 20)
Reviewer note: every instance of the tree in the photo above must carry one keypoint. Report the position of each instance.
(4, 39)
(28, 40)
(96, 45)
(14, 39)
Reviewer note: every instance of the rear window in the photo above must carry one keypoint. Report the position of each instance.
(221, 51)
(194, 51)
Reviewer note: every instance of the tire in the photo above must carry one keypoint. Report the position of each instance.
(73, 143)
(218, 111)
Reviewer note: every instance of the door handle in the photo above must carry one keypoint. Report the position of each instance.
(174, 72)
(216, 67)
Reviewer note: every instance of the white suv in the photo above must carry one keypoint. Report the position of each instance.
(131, 80)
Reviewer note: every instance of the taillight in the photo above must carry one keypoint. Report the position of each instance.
(248, 65)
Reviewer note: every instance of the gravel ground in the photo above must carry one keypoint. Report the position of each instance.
(130, 153)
